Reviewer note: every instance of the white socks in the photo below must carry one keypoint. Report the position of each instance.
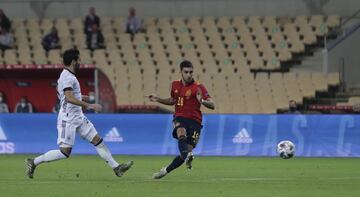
(49, 156)
(54, 155)
(104, 153)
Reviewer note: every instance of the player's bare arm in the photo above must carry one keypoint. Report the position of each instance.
(85, 98)
(71, 99)
(208, 103)
(165, 101)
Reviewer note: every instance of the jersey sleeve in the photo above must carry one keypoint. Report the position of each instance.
(172, 93)
(67, 84)
(205, 93)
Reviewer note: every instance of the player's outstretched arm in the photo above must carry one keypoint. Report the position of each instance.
(165, 101)
(71, 99)
(208, 103)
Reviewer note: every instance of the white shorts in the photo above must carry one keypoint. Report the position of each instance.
(68, 129)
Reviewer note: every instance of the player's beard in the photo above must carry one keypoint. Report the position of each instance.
(190, 80)
(185, 79)
(77, 67)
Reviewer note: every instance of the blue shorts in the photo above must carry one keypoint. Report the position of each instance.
(192, 127)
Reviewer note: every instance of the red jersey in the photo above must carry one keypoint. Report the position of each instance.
(186, 103)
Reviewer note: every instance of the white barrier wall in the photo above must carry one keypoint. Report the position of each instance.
(343, 56)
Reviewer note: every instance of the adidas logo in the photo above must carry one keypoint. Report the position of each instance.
(113, 136)
(242, 137)
(6, 147)
(2, 134)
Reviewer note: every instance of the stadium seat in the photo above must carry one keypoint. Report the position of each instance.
(80, 41)
(124, 41)
(18, 23)
(239, 23)
(54, 56)
(277, 87)
(39, 56)
(333, 21)
(25, 57)
(292, 88)
(317, 22)
(223, 23)
(179, 22)
(305, 29)
(114, 56)
(297, 46)
(305, 84)
(333, 79)
(85, 56)
(76, 25)
(10, 56)
(269, 22)
(46, 25)
(118, 24)
(319, 81)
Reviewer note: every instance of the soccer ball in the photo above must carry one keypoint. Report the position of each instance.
(286, 149)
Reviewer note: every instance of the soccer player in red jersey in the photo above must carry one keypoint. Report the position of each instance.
(187, 95)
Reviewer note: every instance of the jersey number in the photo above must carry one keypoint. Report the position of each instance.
(195, 136)
(180, 101)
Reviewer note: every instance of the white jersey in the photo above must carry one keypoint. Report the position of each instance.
(69, 112)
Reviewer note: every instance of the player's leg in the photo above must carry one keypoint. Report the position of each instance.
(193, 135)
(49, 156)
(190, 157)
(53, 155)
(182, 142)
(66, 138)
(88, 131)
(103, 151)
(180, 159)
(183, 148)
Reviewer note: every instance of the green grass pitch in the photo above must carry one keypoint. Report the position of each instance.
(85, 175)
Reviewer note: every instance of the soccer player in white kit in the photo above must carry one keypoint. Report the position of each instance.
(71, 120)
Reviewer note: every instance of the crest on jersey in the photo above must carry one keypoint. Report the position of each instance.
(188, 93)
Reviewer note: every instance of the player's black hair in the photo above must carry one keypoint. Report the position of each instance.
(24, 97)
(70, 55)
(185, 64)
(3, 96)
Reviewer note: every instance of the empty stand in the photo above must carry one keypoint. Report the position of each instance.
(225, 51)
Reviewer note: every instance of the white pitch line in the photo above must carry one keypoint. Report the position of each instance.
(254, 179)
(81, 181)
(340, 178)
(211, 180)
